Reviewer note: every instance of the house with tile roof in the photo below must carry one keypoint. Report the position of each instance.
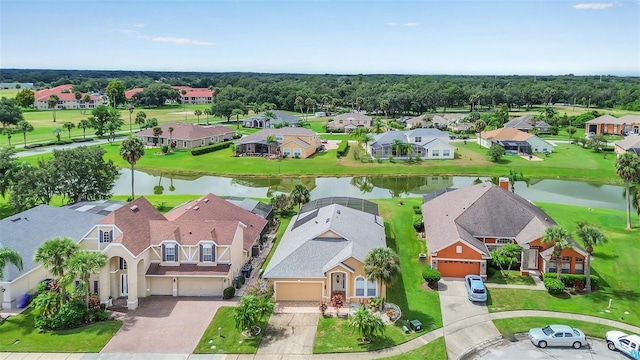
(630, 143)
(26, 231)
(186, 136)
(195, 249)
(349, 122)
(526, 123)
(260, 121)
(191, 96)
(514, 141)
(295, 142)
(322, 253)
(610, 125)
(66, 99)
(463, 226)
(426, 143)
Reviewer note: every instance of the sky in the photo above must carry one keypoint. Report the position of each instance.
(474, 37)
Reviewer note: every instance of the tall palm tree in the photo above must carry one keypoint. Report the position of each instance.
(83, 264)
(237, 112)
(24, 127)
(559, 237)
(53, 104)
(299, 195)
(9, 256)
(84, 124)
(53, 254)
(86, 99)
(141, 118)
(299, 102)
(198, 113)
(366, 139)
(171, 137)
(384, 106)
(382, 265)
(479, 126)
(398, 146)
(131, 150)
(184, 104)
(377, 126)
(268, 117)
(157, 131)
(628, 169)
(271, 141)
(309, 103)
(68, 126)
(207, 112)
(131, 108)
(590, 235)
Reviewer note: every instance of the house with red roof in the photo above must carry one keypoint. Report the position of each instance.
(194, 250)
(66, 99)
(191, 95)
(186, 136)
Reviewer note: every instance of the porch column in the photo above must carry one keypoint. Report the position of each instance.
(104, 278)
(6, 296)
(132, 284)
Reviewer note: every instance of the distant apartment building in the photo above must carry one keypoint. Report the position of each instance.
(66, 99)
(191, 95)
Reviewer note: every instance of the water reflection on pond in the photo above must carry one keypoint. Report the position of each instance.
(370, 187)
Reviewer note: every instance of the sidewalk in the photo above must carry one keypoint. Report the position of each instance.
(539, 285)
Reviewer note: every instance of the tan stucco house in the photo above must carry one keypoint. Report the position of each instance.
(350, 121)
(515, 141)
(630, 144)
(609, 125)
(295, 142)
(186, 136)
(322, 254)
(462, 226)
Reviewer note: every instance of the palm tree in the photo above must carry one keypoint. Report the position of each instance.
(382, 265)
(207, 112)
(559, 237)
(237, 112)
(299, 102)
(299, 195)
(358, 133)
(56, 132)
(184, 104)
(268, 117)
(271, 141)
(9, 131)
(24, 127)
(157, 131)
(366, 139)
(398, 146)
(590, 235)
(384, 106)
(131, 108)
(246, 314)
(84, 124)
(309, 103)
(377, 126)
(131, 150)
(479, 126)
(141, 118)
(53, 103)
(68, 126)
(366, 323)
(359, 102)
(9, 256)
(86, 99)
(53, 254)
(198, 113)
(83, 264)
(170, 137)
(628, 169)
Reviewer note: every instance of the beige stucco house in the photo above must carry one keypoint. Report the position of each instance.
(514, 140)
(186, 136)
(287, 142)
(66, 99)
(322, 254)
(349, 121)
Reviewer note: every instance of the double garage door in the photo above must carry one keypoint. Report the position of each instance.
(455, 268)
(298, 291)
(187, 286)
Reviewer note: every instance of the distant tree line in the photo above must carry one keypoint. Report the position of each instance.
(392, 95)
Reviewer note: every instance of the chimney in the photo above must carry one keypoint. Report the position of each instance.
(503, 182)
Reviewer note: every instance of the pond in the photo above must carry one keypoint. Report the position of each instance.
(368, 187)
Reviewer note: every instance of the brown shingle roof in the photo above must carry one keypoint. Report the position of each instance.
(261, 136)
(187, 269)
(212, 207)
(191, 232)
(506, 134)
(183, 131)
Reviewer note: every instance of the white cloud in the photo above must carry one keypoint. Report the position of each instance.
(137, 25)
(391, 24)
(592, 6)
(411, 24)
(181, 41)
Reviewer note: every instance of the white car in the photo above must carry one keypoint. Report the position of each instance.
(627, 344)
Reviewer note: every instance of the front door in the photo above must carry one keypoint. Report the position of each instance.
(124, 285)
(532, 261)
(338, 285)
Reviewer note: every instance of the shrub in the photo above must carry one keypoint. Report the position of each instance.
(343, 148)
(417, 209)
(431, 276)
(554, 286)
(569, 279)
(69, 315)
(240, 280)
(322, 306)
(210, 148)
(229, 293)
(165, 149)
(417, 223)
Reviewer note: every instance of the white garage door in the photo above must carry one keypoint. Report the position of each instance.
(199, 287)
(161, 286)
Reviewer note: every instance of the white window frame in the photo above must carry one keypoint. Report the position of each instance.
(279, 137)
(418, 139)
(170, 250)
(458, 249)
(446, 153)
(297, 152)
(184, 144)
(435, 153)
(365, 287)
(504, 241)
(209, 248)
(106, 236)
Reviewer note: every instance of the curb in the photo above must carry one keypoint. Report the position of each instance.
(480, 347)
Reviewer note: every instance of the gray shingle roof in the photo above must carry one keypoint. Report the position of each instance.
(388, 137)
(525, 122)
(629, 143)
(302, 254)
(281, 117)
(25, 231)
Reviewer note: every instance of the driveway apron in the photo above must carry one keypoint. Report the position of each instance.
(164, 325)
(466, 324)
(289, 334)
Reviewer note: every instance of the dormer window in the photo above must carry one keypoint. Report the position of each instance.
(206, 253)
(170, 253)
(105, 236)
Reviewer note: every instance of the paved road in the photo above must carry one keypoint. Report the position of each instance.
(48, 149)
(597, 350)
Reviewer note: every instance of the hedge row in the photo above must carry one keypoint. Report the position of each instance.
(343, 148)
(55, 142)
(569, 279)
(554, 286)
(210, 148)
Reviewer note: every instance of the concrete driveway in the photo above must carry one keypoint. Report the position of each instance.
(465, 324)
(165, 324)
(289, 334)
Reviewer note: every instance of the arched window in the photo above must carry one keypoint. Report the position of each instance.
(365, 288)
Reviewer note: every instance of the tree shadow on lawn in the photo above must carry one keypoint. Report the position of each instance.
(602, 283)
(377, 344)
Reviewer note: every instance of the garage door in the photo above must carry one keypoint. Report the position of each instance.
(298, 291)
(161, 286)
(450, 268)
(199, 287)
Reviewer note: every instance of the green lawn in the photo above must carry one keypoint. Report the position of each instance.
(18, 334)
(435, 350)
(284, 223)
(514, 278)
(615, 263)
(232, 340)
(508, 327)
(336, 336)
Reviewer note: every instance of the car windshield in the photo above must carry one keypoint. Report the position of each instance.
(547, 330)
(478, 287)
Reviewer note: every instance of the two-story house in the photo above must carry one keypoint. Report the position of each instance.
(350, 121)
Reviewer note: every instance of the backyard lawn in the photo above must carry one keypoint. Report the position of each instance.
(508, 327)
(615, 263)
(18, 334)
(232, 340)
